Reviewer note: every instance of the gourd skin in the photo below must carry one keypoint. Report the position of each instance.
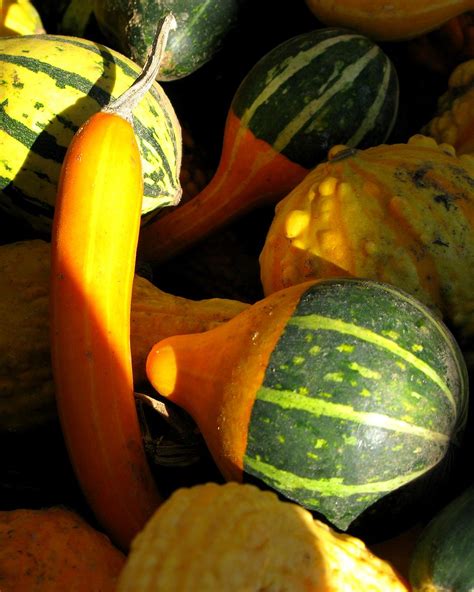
(201, 31)
(454, 122)
(54, 550)
(54, 83)
(333, 393)
(388, 21)
(236, 537)
(19, 17)
(27, 392)
(443, 557)
(402, 214)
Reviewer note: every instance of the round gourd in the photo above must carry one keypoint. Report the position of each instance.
(333, 393)
(443, 558)
(401, 214)
(201, 30)
(248, 540)
(51, 85)
(55, 549)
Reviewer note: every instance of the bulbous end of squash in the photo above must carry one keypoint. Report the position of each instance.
(247, 539)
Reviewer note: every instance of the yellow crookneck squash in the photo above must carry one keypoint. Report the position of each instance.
(402, 214)
(388, 21)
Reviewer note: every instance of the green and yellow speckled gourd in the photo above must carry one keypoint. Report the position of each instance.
(333, 393)
(402, 214)
(454, 121)
(54, 83)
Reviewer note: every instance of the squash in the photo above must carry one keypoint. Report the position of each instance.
(328, 86)
(399, 213)
(454, 121)
(27, 394)
(202, 29)
(93, 254)
(333, 393)
(51, 85)
(394, 21)
(443, 557)
(236, 537)
(54, 549)
(19, 17)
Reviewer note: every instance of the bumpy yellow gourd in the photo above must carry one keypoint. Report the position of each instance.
(19, 17)
(388, 21)
(402, 213)
(26, 387)
(238, 538)
(454, 122)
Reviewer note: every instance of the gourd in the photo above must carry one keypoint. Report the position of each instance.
(54, 549)
(51, 84)
(443, 557)
(27, 396)
(327, 86)
(93, 250)
(394, 21)
(202, 30)
(398, 213)
(454, 121)
(19, 17)
(333, 393)
(249, 540)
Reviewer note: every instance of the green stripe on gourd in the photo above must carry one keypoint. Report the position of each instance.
(329, 86)
(52, 84)
(372, 404)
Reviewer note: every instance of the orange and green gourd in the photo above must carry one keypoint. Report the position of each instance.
(333, 393)
(317, 89)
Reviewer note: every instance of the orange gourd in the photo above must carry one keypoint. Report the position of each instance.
(55, 550)
(388, 21)
(95, 233)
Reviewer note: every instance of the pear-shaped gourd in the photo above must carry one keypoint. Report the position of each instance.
(333, 393)
(317, 89)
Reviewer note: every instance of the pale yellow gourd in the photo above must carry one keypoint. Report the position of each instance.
(238, 538)
(19, 17)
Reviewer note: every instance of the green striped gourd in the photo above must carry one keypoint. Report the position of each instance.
(201, 31)
(334, 393)
(443, 558)
(50, 85)
(321, 88)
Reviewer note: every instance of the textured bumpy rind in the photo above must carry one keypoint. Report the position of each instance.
(236, 537)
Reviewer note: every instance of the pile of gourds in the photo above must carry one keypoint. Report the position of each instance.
(256, 255)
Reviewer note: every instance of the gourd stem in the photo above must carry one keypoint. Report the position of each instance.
(126, 102)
